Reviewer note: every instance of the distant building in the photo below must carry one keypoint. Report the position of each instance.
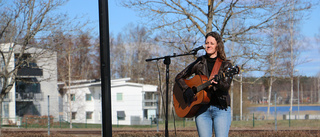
(132, 103)
(36, 80)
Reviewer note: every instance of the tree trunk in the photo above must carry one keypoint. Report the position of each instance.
(232, 85)
(269, 96)
(231, 103)
(240, 95)
(210, 16)
(292, 66)
(1, 117)
(272, 63)
(318, 89)
(302, 93)
(69, 94)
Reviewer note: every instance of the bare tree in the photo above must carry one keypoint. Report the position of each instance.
(275, 56)
(130, 49)
(185, 23)
(81, 51)
(128, 53)
(189, 16)
(317, 36)
(28, 25)
(74, 59)
(23, 23)
(295, 44)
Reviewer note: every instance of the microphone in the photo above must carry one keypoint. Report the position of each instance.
(198, 48)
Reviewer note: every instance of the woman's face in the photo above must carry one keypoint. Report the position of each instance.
(211, 46)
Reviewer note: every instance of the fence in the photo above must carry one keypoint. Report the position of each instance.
(42, 122)
(253, 120)
(286, 116)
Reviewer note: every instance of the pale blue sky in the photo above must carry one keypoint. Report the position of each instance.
(120, 17)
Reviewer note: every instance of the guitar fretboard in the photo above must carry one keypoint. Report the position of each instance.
(208, 83)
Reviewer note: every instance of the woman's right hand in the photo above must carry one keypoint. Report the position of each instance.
(188, 95)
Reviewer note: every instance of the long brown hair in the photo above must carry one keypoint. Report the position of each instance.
(220, 48)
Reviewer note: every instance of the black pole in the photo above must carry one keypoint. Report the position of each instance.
(167, 61)
(105, 69)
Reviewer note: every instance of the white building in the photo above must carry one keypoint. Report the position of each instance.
(132, 103)
(36, 80)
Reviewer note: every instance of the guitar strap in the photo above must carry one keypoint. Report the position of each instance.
(216, 68)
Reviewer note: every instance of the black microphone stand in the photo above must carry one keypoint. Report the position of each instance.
(167, 61)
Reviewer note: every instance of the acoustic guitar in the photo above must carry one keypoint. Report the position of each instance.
(199, 84)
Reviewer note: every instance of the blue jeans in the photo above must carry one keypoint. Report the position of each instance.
(209, 117)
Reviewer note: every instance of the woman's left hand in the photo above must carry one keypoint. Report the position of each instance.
(214, 82)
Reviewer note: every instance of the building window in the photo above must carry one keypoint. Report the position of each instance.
(88, 97)
(74, 115)
(119, 96)
(150, 96)
(89, 115)
(150, 104)
(73, 97)
(145, 113)
(121, 115)
(6, 109)
(25, 61)
(27, 85)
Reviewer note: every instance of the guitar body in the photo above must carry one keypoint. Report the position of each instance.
(184, 109)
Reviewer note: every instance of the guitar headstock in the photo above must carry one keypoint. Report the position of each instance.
(232, 71)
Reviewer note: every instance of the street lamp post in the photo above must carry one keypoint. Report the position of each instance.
(298, 96)
(298, 81)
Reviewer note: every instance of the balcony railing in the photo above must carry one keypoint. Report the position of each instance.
(28, 71)
(29, 96)
(149, 103)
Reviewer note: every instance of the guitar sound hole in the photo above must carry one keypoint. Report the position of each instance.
(194, 89)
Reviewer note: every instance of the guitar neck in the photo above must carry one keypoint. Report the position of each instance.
(208, 83)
